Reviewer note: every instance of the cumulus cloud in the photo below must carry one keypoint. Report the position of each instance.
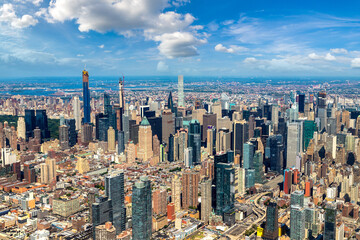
(178, 44)
(222, 48)
(8, 15)
(327, 57)
(175, 32)
(102, 46)
(355, 63)
(162, 67)
(339, 50)
(231, 49)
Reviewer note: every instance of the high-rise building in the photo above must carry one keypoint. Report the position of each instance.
(168, 125)
(70, 123)
(176, 192)
(249, 177)
(190, 186)
(42, 123)
(86, 133)
(86, 97)
(209, 119)
(64, 137)
(271, 231)
(77, 113)
(30, 123)
(210, 139)
(142, 210)
(205, 187)
(275, 152)
(101, 212)
(121, 94)
(297, 222)
(48, 170)
(145, 140)
(248, 155)
(111, 139)
(160, 201)
(21, 128)
(330, 222)
(301, 98)
(181, 91)
(258, 167)
(114, 187)
(225, 186)
(297, 198)
(121, 142)
(194, 140)
(294, 143)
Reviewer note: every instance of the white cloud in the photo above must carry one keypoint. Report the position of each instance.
(8, 15)
(231, 49)
(250, 60)
(339, 50)
(355, 63)
(175, 32)
(329, 57)
(222, 48)
(102, 46)
(162, 67)
(178, 44)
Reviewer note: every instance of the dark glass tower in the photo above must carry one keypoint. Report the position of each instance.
(225, 175)
(114, 187)
(42, 123)
(171, 156)
(271, 231)
(301, 103)
(194, 140)
(142, 210)
(86, 97)
(30, 123)
(101, 212)
(330, 223)
(121, 142)
(274, 152)
(70, 123)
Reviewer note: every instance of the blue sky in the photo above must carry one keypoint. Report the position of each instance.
(170, 37)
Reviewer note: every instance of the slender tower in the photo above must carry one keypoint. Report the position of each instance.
(180, 90)
(86, 97)
(77, 114)
(121, 93)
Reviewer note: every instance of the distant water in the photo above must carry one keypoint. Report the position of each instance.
(51, 85)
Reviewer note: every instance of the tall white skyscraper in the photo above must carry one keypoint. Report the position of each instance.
(21, 128)
(294, 143)
(77, 113)
(181, 90)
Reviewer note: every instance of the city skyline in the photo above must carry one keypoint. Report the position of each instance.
(257, 39)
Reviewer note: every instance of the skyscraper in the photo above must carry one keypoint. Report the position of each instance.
(180, 90)
(21, 128)
(86, 97)
(30, 123)
(330, 222)
(142, 210)
(121, 142)
(114, 187)
(297, 223)
(194, 140)
(121, 94)
(168, 125)
(297, 198)
(271, 231)
(190, 185)
(301, 103)
(64, 137)
(275, 151)
(258, 167)
(160, 201)
(145, 140)
(42, 123)
(225, 186)
(101, 212)
(294, 143)
(241, 136)
(70, 123)
(248, 155)
(111, 139)
(176, 192)
(205, 187)
(77, 114)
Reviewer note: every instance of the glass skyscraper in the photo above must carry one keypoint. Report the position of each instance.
(248, 155)
(114, 187)
(225, 189)
(195, 140)
(101, 212)
(297, 198)
(142, 210)
(86, 97)
(297, 223)
(271, 231)
(330, 223)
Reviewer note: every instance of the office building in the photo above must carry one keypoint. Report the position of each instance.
(271, 231)
(142, 210)
(86, 97)
(297, 222)
(114, 188)
(181, 91)
(145, 140)
(330, 222)
(194, 140)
